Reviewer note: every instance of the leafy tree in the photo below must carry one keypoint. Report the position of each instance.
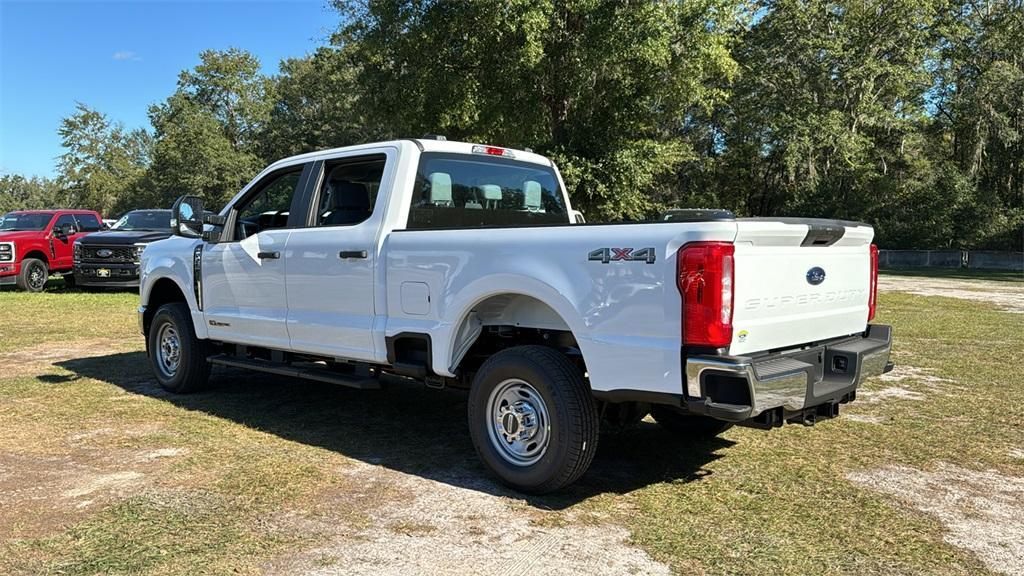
(20, 193)
(228, 84)
(908, 114)
(979, 118)
(193, 155)
(600, 86)
(315, 106)
(207, 131)
(104, 164)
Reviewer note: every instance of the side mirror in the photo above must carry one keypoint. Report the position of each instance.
(187, 217)
(577, 217)
(65, 230)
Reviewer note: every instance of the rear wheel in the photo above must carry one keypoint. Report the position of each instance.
(33, 276)
(177, 357)
(688, 425)
(533, 419)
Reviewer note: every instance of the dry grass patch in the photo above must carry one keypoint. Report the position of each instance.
(983, 510)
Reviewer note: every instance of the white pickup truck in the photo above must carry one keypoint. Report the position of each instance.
(464, 265)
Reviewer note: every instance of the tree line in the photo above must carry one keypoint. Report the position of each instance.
(908, 114)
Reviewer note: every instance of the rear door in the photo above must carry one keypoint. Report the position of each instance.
(332, 258)
(799, 281)
(244, 275)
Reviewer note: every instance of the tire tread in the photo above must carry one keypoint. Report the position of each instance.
(566, 378)
(197, 369)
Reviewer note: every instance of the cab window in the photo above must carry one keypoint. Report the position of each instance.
(349, 190)
(463, 191)
(87, 223)
(63, 220)
(268, 206)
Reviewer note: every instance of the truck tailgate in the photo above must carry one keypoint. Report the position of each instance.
(799, 281)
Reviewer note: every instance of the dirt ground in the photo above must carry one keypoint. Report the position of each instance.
(102, 461)
(1007, 295)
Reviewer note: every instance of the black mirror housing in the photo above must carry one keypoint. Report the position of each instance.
(187, 217)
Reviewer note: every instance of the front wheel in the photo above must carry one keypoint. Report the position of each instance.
(33, 276)
(178, 358)
(533, 419)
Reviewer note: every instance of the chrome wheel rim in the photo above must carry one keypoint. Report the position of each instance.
(37, 277)
(168, 350)
(518, 424)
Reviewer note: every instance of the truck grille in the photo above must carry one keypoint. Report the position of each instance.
(100, 254)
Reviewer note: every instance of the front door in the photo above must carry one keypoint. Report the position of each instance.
(61, 245)
(244, 274)
(331, 261)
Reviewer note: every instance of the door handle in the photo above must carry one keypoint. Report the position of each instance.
(269, 255)
(352, 254)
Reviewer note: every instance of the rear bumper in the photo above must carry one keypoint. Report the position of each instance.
(791, 385)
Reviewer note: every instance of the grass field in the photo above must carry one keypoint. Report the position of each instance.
(103, 473)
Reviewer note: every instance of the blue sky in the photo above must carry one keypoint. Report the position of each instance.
(120, 57)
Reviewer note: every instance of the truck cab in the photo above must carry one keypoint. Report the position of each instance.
(36, 243)
(463, 265)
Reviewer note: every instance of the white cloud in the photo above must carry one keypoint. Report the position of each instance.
(127, 55)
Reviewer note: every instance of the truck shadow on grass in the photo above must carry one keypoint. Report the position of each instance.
(405, 427)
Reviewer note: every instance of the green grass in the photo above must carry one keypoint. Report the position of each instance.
(261, 468)
(957, 274)
(64, 315)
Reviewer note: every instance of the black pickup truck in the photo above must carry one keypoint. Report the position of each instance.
(111, 258)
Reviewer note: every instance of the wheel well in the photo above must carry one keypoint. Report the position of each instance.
(507, 320)
(38, 256)
(163, 292)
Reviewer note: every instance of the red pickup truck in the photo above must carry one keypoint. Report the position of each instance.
(34, 243)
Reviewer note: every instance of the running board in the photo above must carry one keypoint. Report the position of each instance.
(308, 373)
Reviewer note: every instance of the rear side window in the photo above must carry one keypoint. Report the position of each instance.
(349, 190)
(464, 191)
(87, 223)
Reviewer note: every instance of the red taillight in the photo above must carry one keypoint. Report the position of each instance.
(873, 294)
(705, 279)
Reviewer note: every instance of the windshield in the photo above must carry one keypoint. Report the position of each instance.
(150, 220)
(25, 221)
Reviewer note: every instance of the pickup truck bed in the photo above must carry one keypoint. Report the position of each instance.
(462, 265)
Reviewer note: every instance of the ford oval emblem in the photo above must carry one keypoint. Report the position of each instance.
(815, 276)
(104, 253)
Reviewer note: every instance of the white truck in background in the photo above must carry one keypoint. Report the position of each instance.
(463, 265)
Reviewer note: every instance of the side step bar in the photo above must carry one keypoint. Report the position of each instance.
(309, 373)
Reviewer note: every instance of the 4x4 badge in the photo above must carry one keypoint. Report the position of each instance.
(606, 255)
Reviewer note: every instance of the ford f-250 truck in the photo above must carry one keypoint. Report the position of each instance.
(461, 265)
(34, 243)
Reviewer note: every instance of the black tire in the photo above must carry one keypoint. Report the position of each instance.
(688, 425)
(33, 276)
(191, 372)
(570, 413)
